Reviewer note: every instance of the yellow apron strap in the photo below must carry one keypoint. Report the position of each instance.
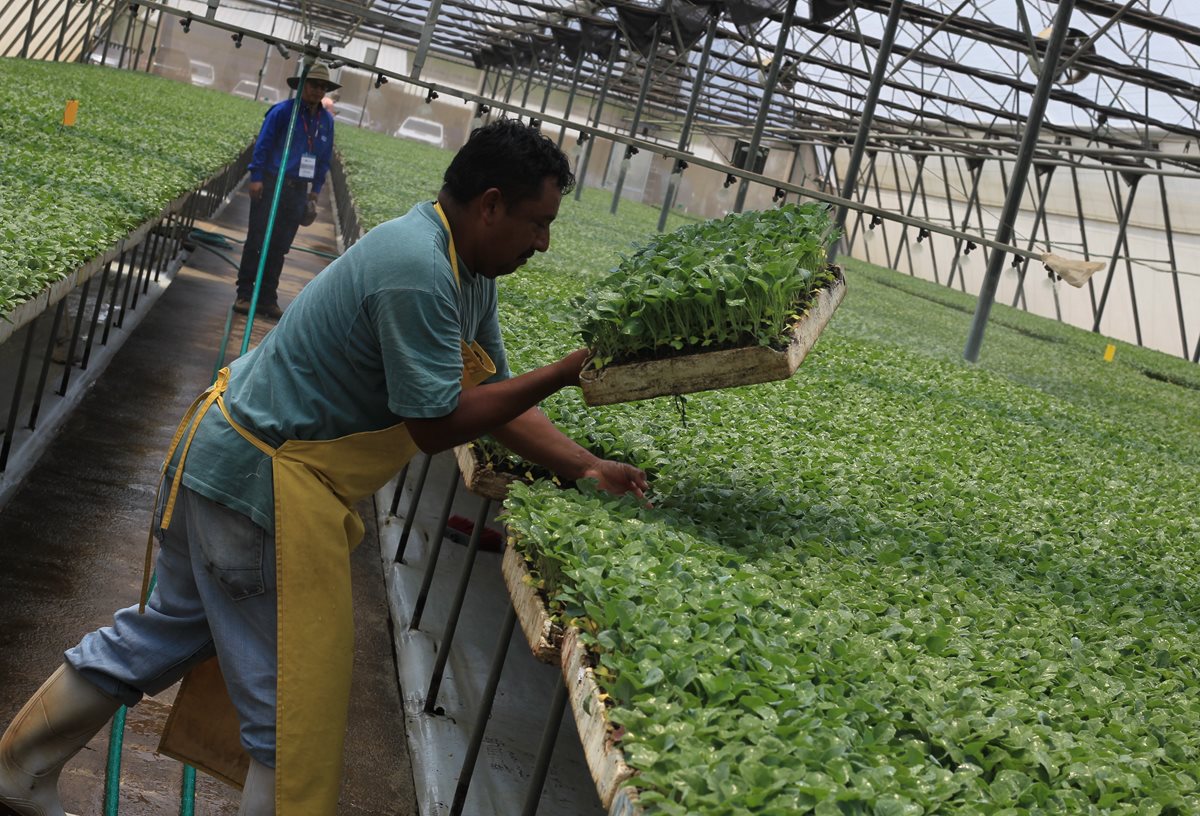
(195, 411)
(453, 253)
(249, 437)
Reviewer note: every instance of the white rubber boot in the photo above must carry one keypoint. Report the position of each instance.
(258, 794)
(52, 727)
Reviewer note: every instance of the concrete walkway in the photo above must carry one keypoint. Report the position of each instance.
(73, 538)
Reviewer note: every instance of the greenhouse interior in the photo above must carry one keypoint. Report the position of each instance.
(835, 451)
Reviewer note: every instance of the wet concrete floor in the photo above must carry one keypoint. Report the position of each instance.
(72, 543)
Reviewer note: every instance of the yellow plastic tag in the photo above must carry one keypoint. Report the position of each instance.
(1110, 351)
(71, 112)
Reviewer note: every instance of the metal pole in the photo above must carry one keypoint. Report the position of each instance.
(685, 134)
(562, 131)
(937, 278)
(460, 595)
(18, 391)
(1083, 235)
(637, 119)
(1166, 210)
(1016, 190)
(87, 44)
(545, 753)
(62, 30)
(435, 8)
(975, 167)
(529, 80)
(862, 199)
(912, 203)
(764, 106)
(412, 508)
(586, 155)
(1042, 189)
(33, 12)
(868, 117)
(485, 712)
(550, 81)
(435, 551)
(1125, 211)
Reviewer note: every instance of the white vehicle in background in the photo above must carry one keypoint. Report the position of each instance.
(203, 74)
(267, 93)
(422, 130)
(350, 114)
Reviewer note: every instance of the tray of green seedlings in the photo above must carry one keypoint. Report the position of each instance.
(717, 304)
(525, 585)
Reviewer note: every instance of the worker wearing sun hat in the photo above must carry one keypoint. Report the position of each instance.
(303, 176)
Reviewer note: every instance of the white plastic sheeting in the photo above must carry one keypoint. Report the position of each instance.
(438, 742)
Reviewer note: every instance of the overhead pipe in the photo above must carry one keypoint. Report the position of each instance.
(1016, 190)
(868, 117)
(435, 8)
(586, 154)
(764, 106)
(685, 134)
(647, 75)
(562, 131)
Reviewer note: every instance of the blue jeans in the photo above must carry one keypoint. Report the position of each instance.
(215, 593)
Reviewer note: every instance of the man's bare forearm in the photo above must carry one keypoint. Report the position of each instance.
(534, 437)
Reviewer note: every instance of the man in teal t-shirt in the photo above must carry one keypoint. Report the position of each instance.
(375, 340)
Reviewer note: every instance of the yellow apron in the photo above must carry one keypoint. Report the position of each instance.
(317, 484)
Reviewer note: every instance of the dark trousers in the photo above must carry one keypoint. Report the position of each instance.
(292, 202)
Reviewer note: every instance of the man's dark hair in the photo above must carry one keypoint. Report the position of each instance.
(509, 156)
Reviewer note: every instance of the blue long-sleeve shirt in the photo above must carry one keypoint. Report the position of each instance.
(313, 134)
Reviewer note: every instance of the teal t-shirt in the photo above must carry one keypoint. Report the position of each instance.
(371, 340)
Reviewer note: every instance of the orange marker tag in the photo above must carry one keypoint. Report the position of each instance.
(1110, 351)
(71, 112)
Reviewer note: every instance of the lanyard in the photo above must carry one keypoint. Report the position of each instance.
(307, 135)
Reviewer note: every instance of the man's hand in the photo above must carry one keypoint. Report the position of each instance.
(254, 188)
(312, 196)
(618, 478)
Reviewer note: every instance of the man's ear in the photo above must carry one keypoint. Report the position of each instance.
(491, 205)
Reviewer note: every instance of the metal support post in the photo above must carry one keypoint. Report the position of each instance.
(394, 505)
(62, 30)
(1040, 172)
(112, 299)
(529, 81)
(412, 509)
(47, 356)
(1166, 211)
(685, 134)
(1124, 211)
(460, 595)
(562, 131)
(908, 211)
(549, 81)
(33, 13)
(975, 168)
(862, 198)
(887, 244)
(764, 105)
(868, 117)
(541, 765)
(485, 711)
(435, 8)
(76, 331)
(435, 550)
(87, 44)
(1012, 201)
(937, 278)
(98, 303)
(647, 75)
(18, 390)
(586, 153)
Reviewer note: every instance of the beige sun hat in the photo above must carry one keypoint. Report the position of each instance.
(320, 72)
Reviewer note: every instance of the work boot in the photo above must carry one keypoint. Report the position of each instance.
(241, 306)
(271, 311)
(258, 794)
(53, 726)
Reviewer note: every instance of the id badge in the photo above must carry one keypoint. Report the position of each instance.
(308, 166)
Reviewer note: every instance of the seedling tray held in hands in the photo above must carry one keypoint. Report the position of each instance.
(708, 371)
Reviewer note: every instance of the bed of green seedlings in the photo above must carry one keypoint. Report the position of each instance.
(70, 193)
(725, 283)
(895, 583)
